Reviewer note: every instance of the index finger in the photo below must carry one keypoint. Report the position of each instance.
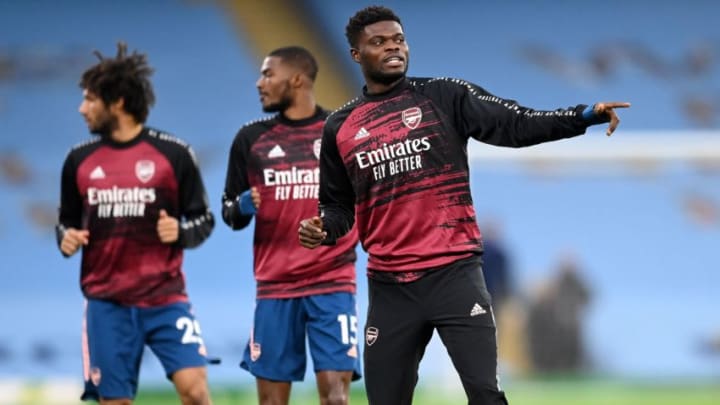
(617, 104)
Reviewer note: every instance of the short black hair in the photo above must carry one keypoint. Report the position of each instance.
(365, 17)
(299, 57)
(124, 76)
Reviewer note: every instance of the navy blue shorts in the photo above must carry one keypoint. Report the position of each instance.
(276, 350)
(114, 337)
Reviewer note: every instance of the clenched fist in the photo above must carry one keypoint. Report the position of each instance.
(73, 239)
(168, 228)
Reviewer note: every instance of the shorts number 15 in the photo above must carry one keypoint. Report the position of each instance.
(348, 328)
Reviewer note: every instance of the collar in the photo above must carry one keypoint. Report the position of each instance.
(391, 92)
(303, 121)
(122, 145)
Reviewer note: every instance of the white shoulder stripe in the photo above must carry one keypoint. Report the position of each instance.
(344, 106)
(167, 137)
(257, 121)
(93, 140)
(472, 89)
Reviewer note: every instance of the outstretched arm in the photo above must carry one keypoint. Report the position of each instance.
(496, 121)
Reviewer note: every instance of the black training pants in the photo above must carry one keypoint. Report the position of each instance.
(401, 319)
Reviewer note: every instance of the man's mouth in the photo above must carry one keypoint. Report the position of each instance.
(394, 61)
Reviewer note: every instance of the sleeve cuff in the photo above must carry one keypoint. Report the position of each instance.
(245, 204)
(589, 113)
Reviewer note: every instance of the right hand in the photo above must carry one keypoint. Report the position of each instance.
(608, 109)
(249, 201)
(73, 239)
(311, 232)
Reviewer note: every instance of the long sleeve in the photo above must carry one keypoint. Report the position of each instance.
(502, 122)
(236, 182)
(197, 220)
(337, 198)
(70, 210)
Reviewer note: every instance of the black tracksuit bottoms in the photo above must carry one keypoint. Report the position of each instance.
(401, 319)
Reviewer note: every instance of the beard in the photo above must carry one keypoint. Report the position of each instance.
(385, 78)
(281, 105)
(278, 106)
(104, 126)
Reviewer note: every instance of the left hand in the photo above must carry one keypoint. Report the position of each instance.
(168, 228)
(311, 233)
(608, 109)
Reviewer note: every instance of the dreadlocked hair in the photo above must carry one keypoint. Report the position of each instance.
(124, 77)
(365, 17)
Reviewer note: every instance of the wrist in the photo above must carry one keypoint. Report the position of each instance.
(245, 204)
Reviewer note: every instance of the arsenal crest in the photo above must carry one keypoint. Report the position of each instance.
(95, 376)
(412, 117)
(371, 335)
(144, 170)
(255, 351)
(316, 148)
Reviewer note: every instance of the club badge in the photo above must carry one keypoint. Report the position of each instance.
(371, 335)
(412, 117)
(316, 148)
(255, 351)
(95, 376)
(144, 170)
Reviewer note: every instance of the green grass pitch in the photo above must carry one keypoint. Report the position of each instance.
(518, 393)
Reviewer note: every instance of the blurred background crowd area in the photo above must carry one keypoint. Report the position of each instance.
(602, 252)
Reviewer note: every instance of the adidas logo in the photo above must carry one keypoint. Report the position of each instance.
(477, 310)
(97, 173)
(362, 133)
(276, 152)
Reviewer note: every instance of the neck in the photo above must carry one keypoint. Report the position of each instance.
(126, 131)
(303, 107)
(374, 87)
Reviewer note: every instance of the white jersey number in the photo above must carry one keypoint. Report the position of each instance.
(191, 330)
(348, 328)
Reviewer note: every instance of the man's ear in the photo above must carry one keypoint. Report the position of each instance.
(355, 55)
(296, 80)
(117, 106)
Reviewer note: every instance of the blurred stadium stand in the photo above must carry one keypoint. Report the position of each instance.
(640, 211)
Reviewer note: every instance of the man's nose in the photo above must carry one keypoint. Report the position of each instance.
(391, 46)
